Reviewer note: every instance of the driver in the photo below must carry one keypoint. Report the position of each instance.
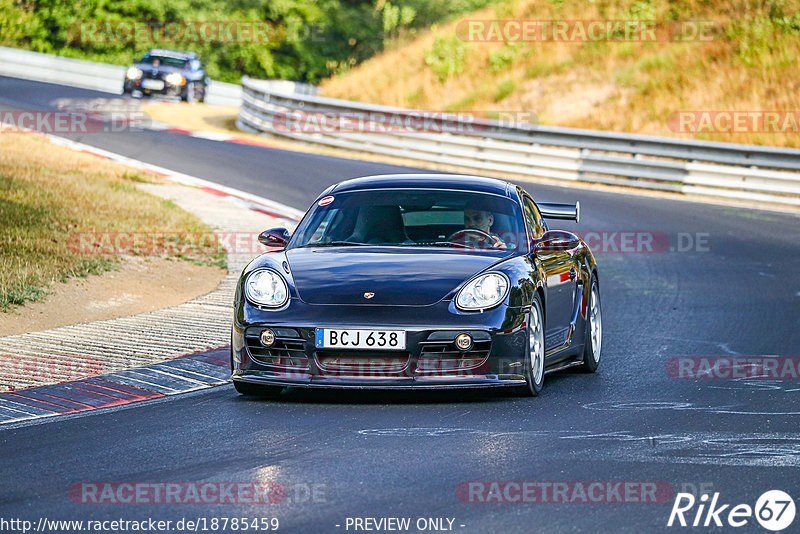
(481, 222)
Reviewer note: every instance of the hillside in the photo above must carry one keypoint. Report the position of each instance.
(749, 62)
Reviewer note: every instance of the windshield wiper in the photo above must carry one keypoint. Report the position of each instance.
(436, 244)
(336, 244)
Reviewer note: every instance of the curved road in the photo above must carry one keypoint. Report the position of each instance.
(404, 455)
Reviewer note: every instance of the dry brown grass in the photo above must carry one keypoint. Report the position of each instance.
(48, 193)
(752, 63)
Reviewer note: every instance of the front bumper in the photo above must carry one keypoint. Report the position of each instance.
(430, 360)
(168, 90)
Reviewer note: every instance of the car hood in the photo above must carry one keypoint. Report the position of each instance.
(396, 277)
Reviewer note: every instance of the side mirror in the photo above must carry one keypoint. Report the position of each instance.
(555, 242)
(274, 237)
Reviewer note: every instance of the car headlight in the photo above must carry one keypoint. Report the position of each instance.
(132, 73)
(174, 78)
(486, 291)
(266, 287)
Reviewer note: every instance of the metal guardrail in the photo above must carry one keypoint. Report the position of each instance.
(748, 172)
(91, 75)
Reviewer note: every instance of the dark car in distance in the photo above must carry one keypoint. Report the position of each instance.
(418, 281)
(167, 73)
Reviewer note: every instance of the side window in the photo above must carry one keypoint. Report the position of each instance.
(324, 224)
(532, 216)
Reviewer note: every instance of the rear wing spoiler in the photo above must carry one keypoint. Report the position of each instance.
(554, 210)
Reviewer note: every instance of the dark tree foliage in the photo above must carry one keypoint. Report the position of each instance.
(310, 41)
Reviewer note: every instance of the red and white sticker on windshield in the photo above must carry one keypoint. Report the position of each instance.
(325, 201)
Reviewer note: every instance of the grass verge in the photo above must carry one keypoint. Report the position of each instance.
(50, 196)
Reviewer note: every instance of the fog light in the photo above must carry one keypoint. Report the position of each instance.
(463, 341)
(267, 338)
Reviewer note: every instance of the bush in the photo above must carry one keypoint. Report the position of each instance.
(446, 56)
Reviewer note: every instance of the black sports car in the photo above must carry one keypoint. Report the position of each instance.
(168, 73)
(418, 281)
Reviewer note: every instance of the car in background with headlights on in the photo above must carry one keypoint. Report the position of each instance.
(391, 282)
(168, 73)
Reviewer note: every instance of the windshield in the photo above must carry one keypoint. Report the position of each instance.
(414, 218)
(165, 61)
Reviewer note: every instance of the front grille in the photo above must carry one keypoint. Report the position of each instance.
(362, 363)
(443, 357)
(152, 76)
(285, 353)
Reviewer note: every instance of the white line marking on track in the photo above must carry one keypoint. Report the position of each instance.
(271, 205)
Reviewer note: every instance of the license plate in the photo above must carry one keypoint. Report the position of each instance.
(156, 85)
(337, 338)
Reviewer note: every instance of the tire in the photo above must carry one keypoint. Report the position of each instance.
(534, 351)
(256, 389)
(593, 343)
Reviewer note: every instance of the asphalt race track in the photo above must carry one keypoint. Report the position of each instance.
(735, 292)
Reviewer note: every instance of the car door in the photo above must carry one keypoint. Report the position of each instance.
(561, 279)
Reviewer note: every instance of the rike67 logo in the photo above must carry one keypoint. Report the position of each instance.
(774, 511)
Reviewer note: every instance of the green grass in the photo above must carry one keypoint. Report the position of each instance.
(446, 57)
(505, 88)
